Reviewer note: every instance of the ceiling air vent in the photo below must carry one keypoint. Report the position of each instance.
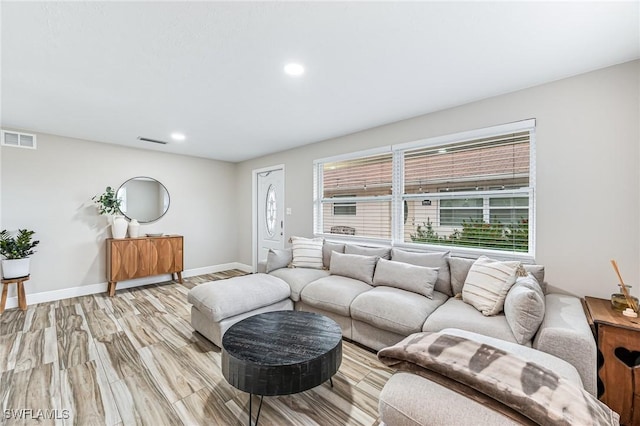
(18, 140)
(152, 140)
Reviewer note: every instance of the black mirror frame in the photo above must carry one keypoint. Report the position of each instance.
(161, 184)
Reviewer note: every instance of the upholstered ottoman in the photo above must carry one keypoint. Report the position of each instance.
(217, 305)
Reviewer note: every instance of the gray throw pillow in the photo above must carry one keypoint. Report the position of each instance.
(327, 248)
(431, 260)
(382, 252)
(524, 308)
(416, 279)
(353, 266)
(277, 259)
(459, 267)
(538, 273)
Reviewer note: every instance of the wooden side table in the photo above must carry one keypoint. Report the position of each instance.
(22, 299)
(618, 339)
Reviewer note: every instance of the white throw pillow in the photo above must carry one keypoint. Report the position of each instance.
(307, 252)
(488, 283)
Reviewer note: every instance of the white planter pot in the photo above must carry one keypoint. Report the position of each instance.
(134, 229)
(119, 227)
(15, 268)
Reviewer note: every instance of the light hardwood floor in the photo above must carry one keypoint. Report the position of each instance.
(135, 359)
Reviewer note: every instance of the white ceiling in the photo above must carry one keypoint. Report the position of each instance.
(113, 71)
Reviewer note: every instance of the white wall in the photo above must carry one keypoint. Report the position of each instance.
(588, 184)
(49, 190)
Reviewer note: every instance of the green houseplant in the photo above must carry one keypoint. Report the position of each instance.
(109, 205)
(16, 251)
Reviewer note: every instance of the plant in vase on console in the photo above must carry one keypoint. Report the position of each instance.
(109, 205)
(16, 251)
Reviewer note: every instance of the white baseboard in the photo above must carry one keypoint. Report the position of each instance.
(65, 293)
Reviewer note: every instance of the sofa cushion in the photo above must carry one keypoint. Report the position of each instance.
(487, 284)
(524, 308)
(417, 279)
(395, 310)
(277, 259)
(298, 278)
(333, 293)
(307, 252)
(223, 299)
(327, 249)
(353, 266)
(431, 260)
(382, 252)
(455, 313)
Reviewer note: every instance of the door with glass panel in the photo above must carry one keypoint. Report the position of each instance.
(269, 211)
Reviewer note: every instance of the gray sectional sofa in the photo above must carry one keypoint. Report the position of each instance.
(379, 313)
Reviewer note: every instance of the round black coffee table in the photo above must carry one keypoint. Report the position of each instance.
(280, 353)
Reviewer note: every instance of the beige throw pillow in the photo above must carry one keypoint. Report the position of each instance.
(307, 252)
(488, 283)
(416, 279)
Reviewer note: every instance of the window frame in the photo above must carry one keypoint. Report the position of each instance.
(398, 197)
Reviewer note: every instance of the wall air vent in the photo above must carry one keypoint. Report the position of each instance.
(18, 140)
(152, 140)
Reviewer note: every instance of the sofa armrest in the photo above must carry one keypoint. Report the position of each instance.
(262, 267)
(565, 333)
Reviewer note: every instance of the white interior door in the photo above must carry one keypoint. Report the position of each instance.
(269, 211)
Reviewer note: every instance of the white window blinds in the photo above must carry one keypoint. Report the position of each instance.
(356, 196)
(470, 193)
(474, 193)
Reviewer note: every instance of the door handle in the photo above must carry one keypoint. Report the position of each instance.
(281, 224)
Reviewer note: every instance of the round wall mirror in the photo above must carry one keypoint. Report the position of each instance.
(143, 199)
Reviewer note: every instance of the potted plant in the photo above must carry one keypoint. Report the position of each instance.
(109, 205)
(16, 251)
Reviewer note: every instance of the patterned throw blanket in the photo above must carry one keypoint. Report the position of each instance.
(528, 388)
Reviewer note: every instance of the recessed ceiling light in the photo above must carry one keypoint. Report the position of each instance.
(178, 136)
(294, 69)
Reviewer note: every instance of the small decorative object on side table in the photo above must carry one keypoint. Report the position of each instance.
(618, 339)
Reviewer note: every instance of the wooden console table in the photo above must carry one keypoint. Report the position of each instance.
(618, 340)
(129, 258)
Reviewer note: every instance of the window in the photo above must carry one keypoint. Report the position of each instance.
(362, 185)
(344, 209)
(472, 192)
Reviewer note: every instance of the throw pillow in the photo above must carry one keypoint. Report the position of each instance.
(459, 267)
(538, 273)
(353, 266)
(277, 259)
(382, 252)
(430, 260)
(327, 249)
(416, 279)
(307, 252)
(487, 284)
(524, 308)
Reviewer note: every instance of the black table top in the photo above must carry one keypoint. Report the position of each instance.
(283, 352)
